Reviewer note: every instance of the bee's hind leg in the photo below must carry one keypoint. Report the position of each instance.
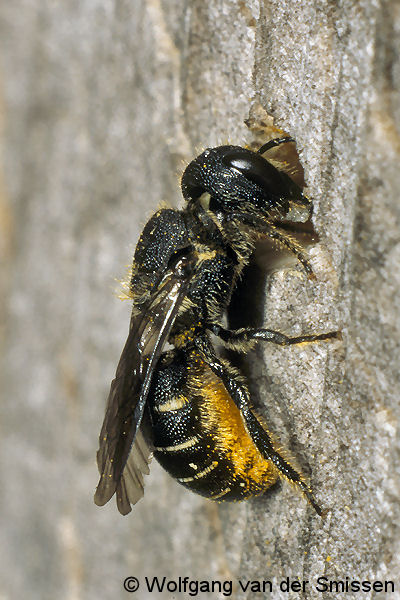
(260, 436)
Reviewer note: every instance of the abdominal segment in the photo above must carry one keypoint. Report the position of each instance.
(199, 434)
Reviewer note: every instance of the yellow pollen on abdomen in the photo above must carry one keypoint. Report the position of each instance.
(221, 416)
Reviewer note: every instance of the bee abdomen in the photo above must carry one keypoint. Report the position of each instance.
(199, 436)
(211, 474)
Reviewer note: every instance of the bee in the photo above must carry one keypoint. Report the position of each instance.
(186, 404)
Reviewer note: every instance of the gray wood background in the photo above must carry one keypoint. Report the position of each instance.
(102, 103)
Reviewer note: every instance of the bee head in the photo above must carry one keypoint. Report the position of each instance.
(235, 182)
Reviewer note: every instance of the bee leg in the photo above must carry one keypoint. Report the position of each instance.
(258, 433)
(290, 244)
(243, 339)
(276, 233)
(273, 143)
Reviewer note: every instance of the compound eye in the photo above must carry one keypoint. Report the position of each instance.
(254, 167)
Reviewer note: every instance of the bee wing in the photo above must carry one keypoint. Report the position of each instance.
(124, 452)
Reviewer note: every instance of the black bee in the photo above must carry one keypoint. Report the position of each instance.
(187, 405)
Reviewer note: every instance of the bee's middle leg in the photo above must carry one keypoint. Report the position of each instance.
(243, 339)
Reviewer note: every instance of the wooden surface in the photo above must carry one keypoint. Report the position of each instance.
(102, 103)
